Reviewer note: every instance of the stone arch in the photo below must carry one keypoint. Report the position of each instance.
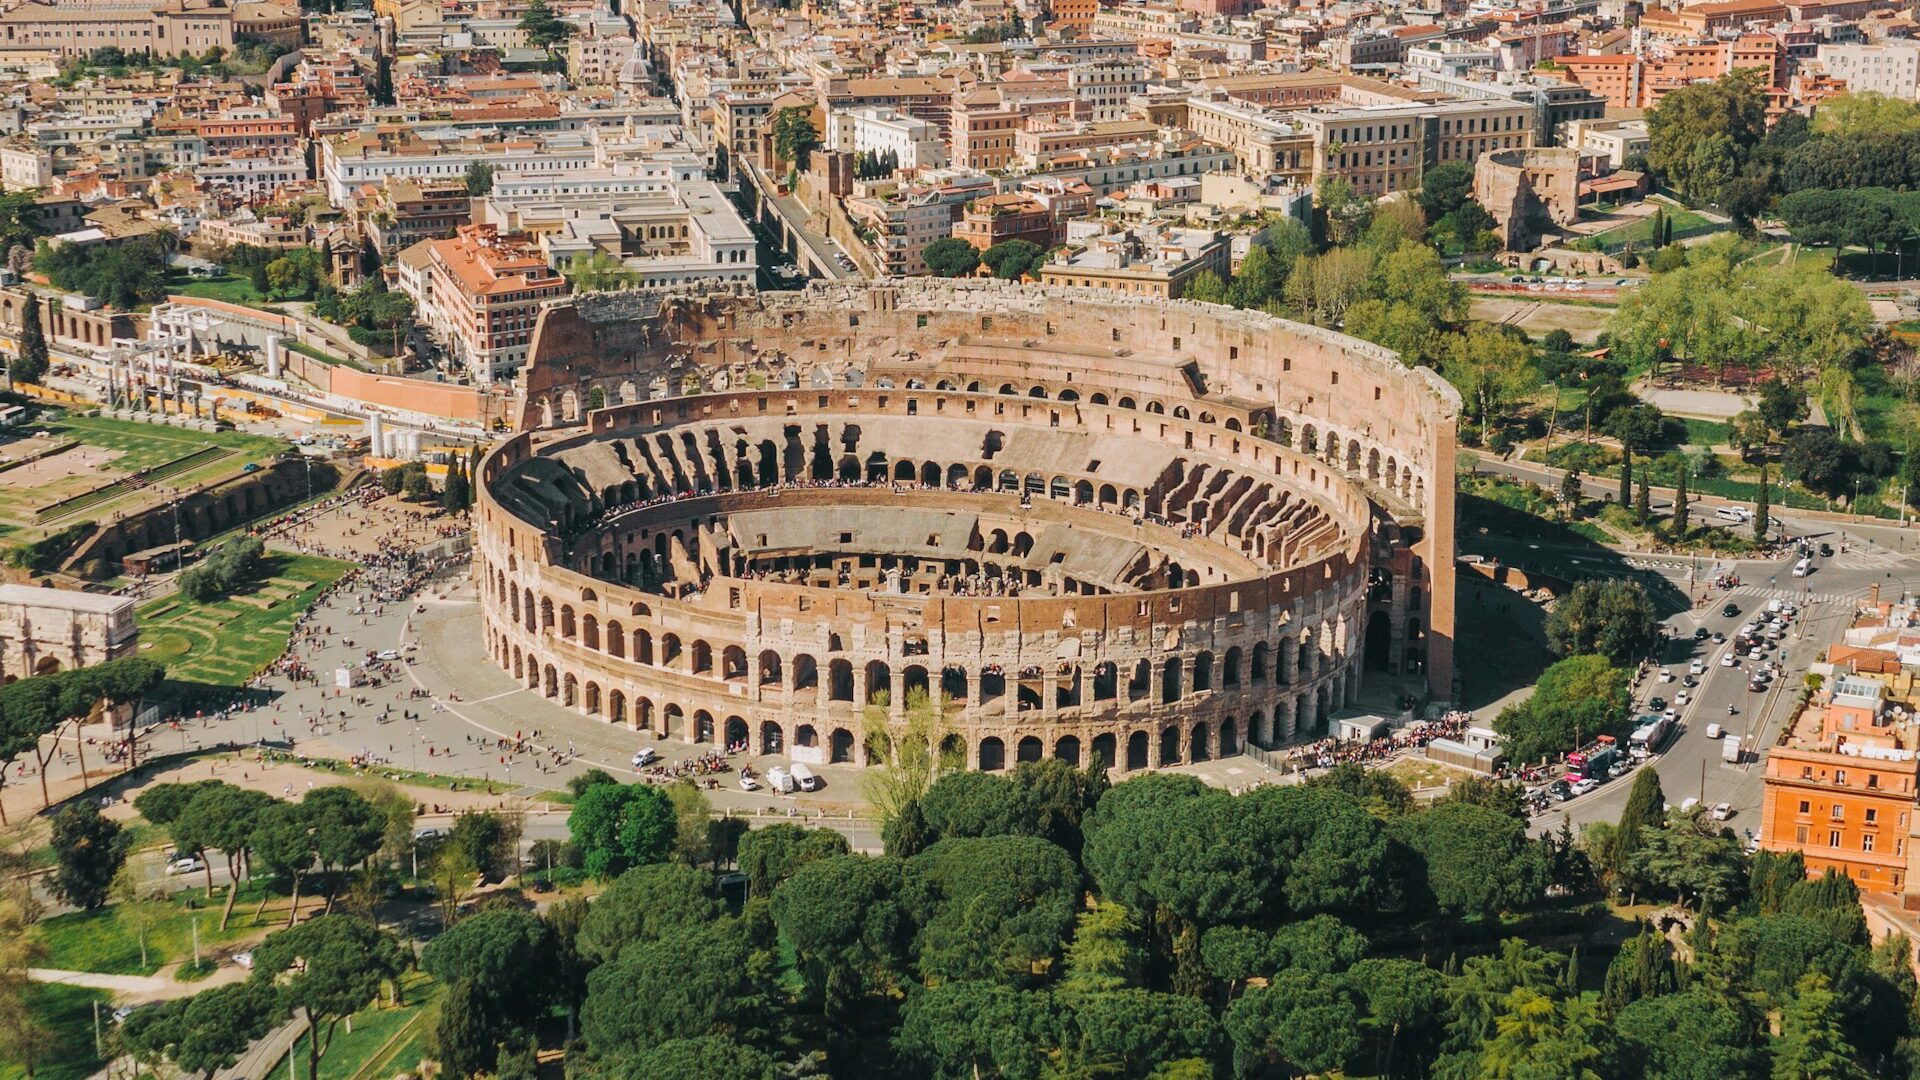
(1029, 748)
(772, 739)
(1200, 744)
(1067, 748)
(1169, 745)
(993, 754)
(736, 733)
(1137, 751)
(840, 746)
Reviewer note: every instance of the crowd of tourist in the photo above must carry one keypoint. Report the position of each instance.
(1329, 752)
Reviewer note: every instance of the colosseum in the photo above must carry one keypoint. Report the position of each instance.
(1062, 523)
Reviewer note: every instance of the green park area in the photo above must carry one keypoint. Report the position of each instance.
(225, 642)
(66, 1048)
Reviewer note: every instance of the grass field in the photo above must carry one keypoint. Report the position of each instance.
(102, 941)
(232, 289)
(1640, 233)
(225, 643)
(384, 1041)
(67, 1013)
(135, 447)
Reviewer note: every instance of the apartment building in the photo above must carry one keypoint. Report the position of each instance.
(1106, 85)
(359, 158)
(913, 142)
(1263, 141)
(480, 294)
(685, 235)
(903, 221)
(1613, 141)
(1840, 790)
(24, 166)
(1386, 148)
(994, 219)
(1153, 260)
(1891, 67)
(166, 28)
(252, 129)
(401, 213)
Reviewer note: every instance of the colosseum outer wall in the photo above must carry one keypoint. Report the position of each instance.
(1371, 438)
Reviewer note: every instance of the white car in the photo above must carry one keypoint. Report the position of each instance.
(1722, 811)
(244, 959)
(1698, 667)
(1584, 785)
(1681, 698)
(748, 783)
(1754, 654)
(645, 756)
(1729, 660)
(1667, 676)
(187, 865)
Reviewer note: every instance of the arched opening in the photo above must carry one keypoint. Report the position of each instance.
(673, 722)
(702, 658)
(1229, 737)
(736, 730)
(993, 754)
(1136, 751)
(1140, 683)
(1170, 680)
(669, 649)
(879, 683)
(770, 673)
(1067, 749)
(840, 680)
(840, 747)
(914, 681)
(806, 737)
(953, 684)
(1103, 751)
(1199, 746)
(1169, 746)
(1379, 641)
(806, 673)
(1203, 672)
(1029, 749)
(617, 707)
(1105, 681)
(772, 741)
(703, 726)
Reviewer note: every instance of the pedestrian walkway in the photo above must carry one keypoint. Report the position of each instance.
(1762, 592)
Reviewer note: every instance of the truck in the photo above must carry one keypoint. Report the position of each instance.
(804, 777)
(780, 780)
(1649, 735)
(1594, 759)
(1730, 750)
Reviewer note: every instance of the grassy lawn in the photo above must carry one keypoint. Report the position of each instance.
(224, 643)
(384, 1041)
(101, 941)
(1707, 432)
(232, 289)
(1640, 233)
(67, 1051)
(100, 486)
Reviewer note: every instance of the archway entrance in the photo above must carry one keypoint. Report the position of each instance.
(1379, 640)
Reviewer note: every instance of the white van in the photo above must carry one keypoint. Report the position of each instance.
(1731, 513)
(1803, 568)
(780, 781)
(804, 777)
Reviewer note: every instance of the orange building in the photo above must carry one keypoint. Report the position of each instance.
(1840, 788)
(1075, 14)
(991, 219)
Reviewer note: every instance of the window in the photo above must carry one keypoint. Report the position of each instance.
(1873, 816)
(1833, 838)
(1866, 842)
(1839, 812)
(1804, 804)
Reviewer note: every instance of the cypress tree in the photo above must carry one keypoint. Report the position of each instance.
(1646, 805)
(1680, 509)
(1643, 504)
(1626, 474)
(1762, 507)
(31, 365)
(1643, 968)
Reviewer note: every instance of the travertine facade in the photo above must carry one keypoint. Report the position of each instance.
(1144, 532)
(48, 630)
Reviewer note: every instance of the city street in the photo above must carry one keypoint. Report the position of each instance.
(1691, 766)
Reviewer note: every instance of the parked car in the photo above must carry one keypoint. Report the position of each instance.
(186, 865)
(244, 959)
(1584, 785)
(645, 756)
(1722, 811)
(748, 783)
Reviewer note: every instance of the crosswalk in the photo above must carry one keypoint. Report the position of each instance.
(1874, 559)
(1762, 592)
